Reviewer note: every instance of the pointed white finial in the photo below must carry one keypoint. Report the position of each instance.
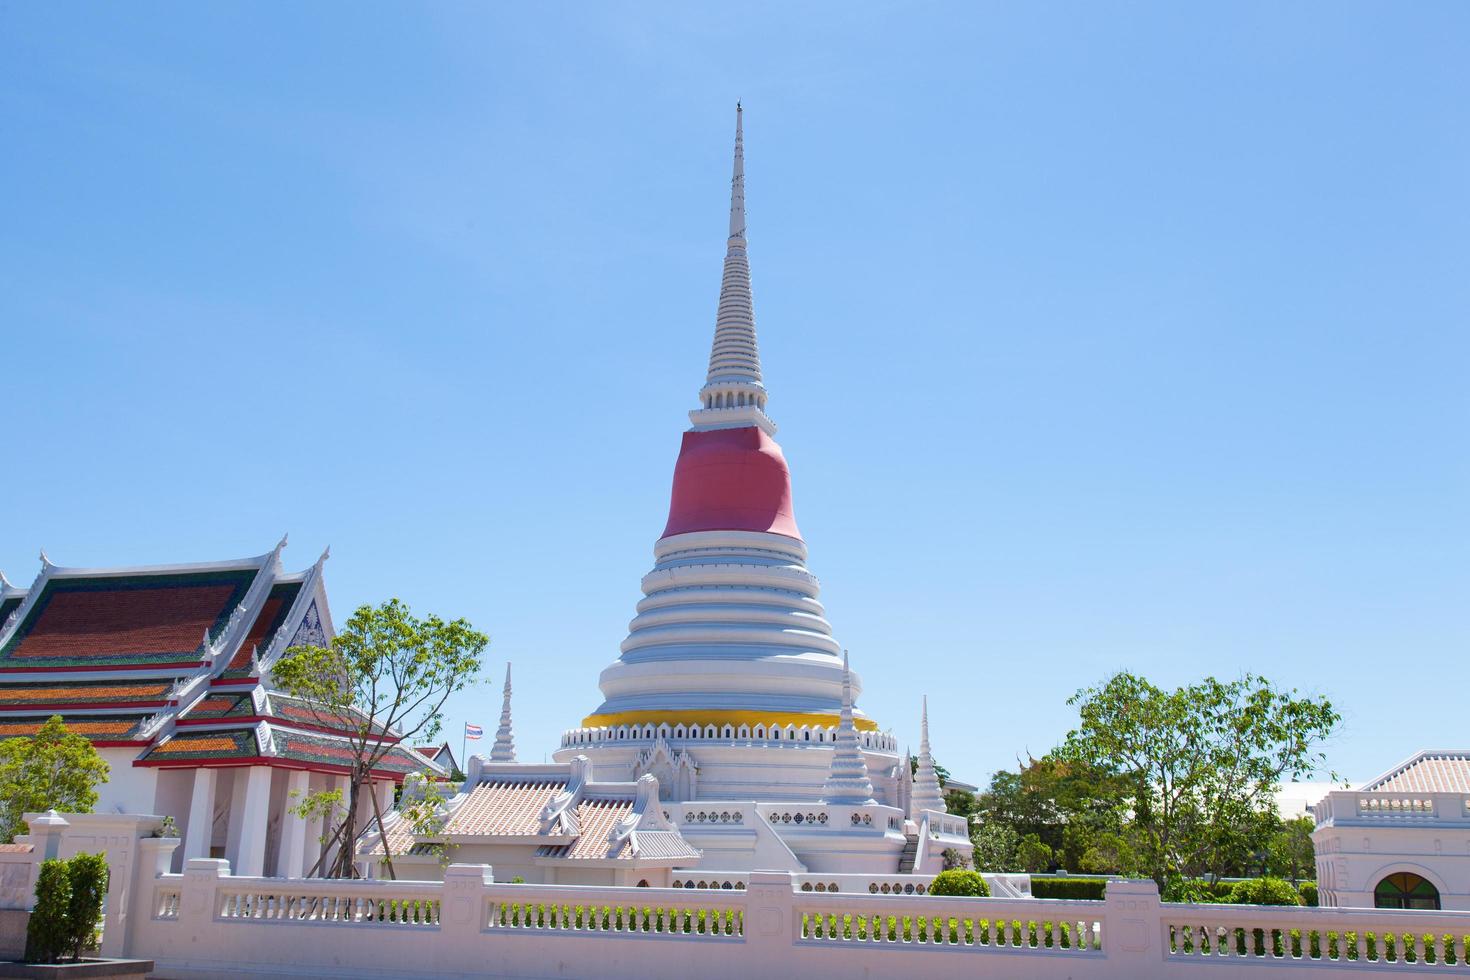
(5, 582)
(927, 793)
(848, 781)
(326, 553)
(733, 393)
(45, 562)
(504, 749)
(281, 544)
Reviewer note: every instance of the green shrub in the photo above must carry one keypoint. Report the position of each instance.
(1308, 891)
(68, 908)
(88, 874)
(48, 934)
(1086, 889)
(1264, 891)
(967, 884)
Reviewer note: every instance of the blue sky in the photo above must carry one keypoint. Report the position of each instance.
(1100, 336)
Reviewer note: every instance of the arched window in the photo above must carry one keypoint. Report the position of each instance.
(1405, 890)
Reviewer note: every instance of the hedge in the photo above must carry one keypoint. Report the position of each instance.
(1088, 889)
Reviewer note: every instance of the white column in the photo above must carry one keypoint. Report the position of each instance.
(313, 841)
(293, 828)
(235, 817)
(384, 789)
(199, 832)
(254, 820)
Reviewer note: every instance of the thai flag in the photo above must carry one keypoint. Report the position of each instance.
(473, 731)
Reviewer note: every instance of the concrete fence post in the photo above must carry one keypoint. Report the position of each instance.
(770, 922)
(199, 893)
(1133, 929)
(155, 857)
(46, 831)
(462, 914)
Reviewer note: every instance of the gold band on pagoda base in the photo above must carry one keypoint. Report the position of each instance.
(719, 719)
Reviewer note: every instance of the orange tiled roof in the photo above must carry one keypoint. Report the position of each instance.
(118, 727)
(512, 808)
(597, 818)
(272, 612)
(128, 619)
(1427, 772)
(63, 693)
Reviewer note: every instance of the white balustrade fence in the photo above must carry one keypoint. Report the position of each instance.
(206, 923)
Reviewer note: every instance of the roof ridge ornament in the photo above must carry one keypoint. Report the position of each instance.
(46, 563)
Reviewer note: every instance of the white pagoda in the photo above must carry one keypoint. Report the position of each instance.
(731, 689)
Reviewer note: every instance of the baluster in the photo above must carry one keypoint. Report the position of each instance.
(1418, 947)
(1360, 946)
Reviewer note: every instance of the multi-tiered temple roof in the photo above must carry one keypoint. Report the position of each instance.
(174, 661)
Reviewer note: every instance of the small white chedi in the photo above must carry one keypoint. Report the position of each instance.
(728, 738)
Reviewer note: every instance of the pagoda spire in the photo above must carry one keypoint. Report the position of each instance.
(504, 749)
(733, 393)
(927, 794)
(848, 781)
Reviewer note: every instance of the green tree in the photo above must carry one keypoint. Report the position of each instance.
(52, 770)
(995, 846)
(1201, 762)
(1033, 854)
(1063, 802)
(1291, 853)
(386, 676)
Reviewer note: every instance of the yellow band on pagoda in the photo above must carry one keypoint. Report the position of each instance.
(721, 718)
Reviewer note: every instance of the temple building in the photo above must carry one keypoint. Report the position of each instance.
(166, 669)
(1402, 841)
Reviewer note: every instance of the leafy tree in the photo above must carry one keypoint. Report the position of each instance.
(960, 802)
(1034, 855)
(1064, 803)
(52, 770)
(995, 846)
(1201, 762)
(1291, 853)
(386, 675)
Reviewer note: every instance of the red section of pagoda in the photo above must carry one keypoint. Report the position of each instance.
(731, 480)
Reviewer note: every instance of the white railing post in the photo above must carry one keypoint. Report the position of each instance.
(199, 895)
(155, 856)
(770, 923)
(1133, 929)
(462, 910)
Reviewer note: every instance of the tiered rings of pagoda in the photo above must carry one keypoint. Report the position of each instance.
(730, 631)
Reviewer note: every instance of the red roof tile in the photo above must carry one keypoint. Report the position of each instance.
(504, 808)
(125, 619)
(272, 612)
(1427, 772)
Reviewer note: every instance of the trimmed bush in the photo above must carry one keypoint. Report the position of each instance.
(1264, 891)
(48, 935)
(1308, 891)
(1086, 889)
(966, 884)
(68, 908)
(88, 874)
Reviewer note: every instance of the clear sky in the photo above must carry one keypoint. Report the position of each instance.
(1100, 336)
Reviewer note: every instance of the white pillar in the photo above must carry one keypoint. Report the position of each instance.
(254, 820)
(199, 831)
(384, 789)
(293, 828)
